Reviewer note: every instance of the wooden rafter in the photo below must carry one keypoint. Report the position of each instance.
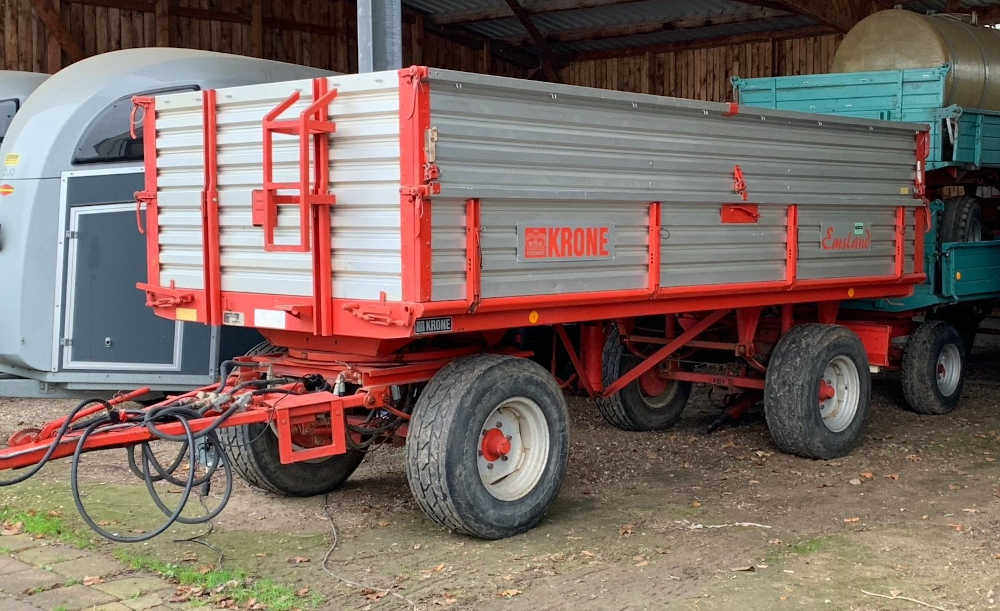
(751, 16)
(721, 41)
(541, 45)
(534, 7)
(57, 29)
(838, 14)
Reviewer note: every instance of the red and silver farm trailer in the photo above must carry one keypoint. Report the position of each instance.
(436, 255)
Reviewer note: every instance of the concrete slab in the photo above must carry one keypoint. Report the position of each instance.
(132, 587)
(72, 597)
(9, 604)
(142, 603)
(93, 565)
(16, 543)
(47, 555)
(27, 580)
(9, 565)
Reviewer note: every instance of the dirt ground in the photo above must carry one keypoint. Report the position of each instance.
(678, 519)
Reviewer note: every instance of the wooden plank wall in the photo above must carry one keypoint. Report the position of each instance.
(330, 40)
(320, 33)
(704, 73)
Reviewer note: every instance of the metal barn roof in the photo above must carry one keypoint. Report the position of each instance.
(571, 29)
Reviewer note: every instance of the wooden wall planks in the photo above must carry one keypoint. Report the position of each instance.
(704, 73)
(330, 41)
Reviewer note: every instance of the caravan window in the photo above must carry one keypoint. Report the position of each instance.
(8, 108)
(107, 137)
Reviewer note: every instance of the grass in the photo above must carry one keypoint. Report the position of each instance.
(45, 525)
(237, 584)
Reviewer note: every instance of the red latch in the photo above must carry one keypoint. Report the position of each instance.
(739, 185)
(740, 213)
(141, 197)
(734, 109)
(258, 207)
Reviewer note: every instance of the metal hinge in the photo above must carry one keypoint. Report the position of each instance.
(72, 235)
(430, 144)
(66, 341)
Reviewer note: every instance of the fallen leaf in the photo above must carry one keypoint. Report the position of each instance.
(642, 563)
(956, 527)
(181, 595)
(298, 560)
(851, 520)
(996, 556)
(913, 457)
(509, 593)
(55, 513)
(895, 593)
(372, 594)
(729, 444)
(8, 529)
(205, 569)
(587, 553)
(892, 476)
(954, 487)
(744, 569)
(854, 482)
(260, 555)
(446, 600)
(301, 592)
(867, 475)
(93, 580)
(626, 530)
(696, 503)
(970, 510)
(383, 523)
(416, 546)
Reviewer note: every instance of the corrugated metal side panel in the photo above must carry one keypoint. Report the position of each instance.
(509, 138)
(503, 274)
(698, 249)
(364, 175)
(817, 257)
(448, 249)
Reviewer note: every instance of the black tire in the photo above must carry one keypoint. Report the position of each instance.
(792, 389)
(253, 451)
(930, 386)
(962, 220)
(443, 445)
(631, 409)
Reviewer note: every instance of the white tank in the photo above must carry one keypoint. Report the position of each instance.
(897, 39)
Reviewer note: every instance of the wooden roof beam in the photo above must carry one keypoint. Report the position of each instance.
(721, 41)
(534, 7)
(541, 45)
(50, 16)
(755, 15)
(838, 14)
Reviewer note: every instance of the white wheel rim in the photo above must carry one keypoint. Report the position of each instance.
(513, 474)
(949, 369)
(842, 379)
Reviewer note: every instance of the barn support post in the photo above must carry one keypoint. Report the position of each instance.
(380, 35)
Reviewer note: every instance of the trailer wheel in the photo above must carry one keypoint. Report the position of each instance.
(962, 220)
(933, 368)
(647, 404)
(253, 450)
(487, 445)
(817, 391)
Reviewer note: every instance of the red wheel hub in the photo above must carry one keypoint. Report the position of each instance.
(495, 444)
(652, 384)
(826, 391)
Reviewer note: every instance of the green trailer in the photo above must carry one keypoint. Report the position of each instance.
(961, 256)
